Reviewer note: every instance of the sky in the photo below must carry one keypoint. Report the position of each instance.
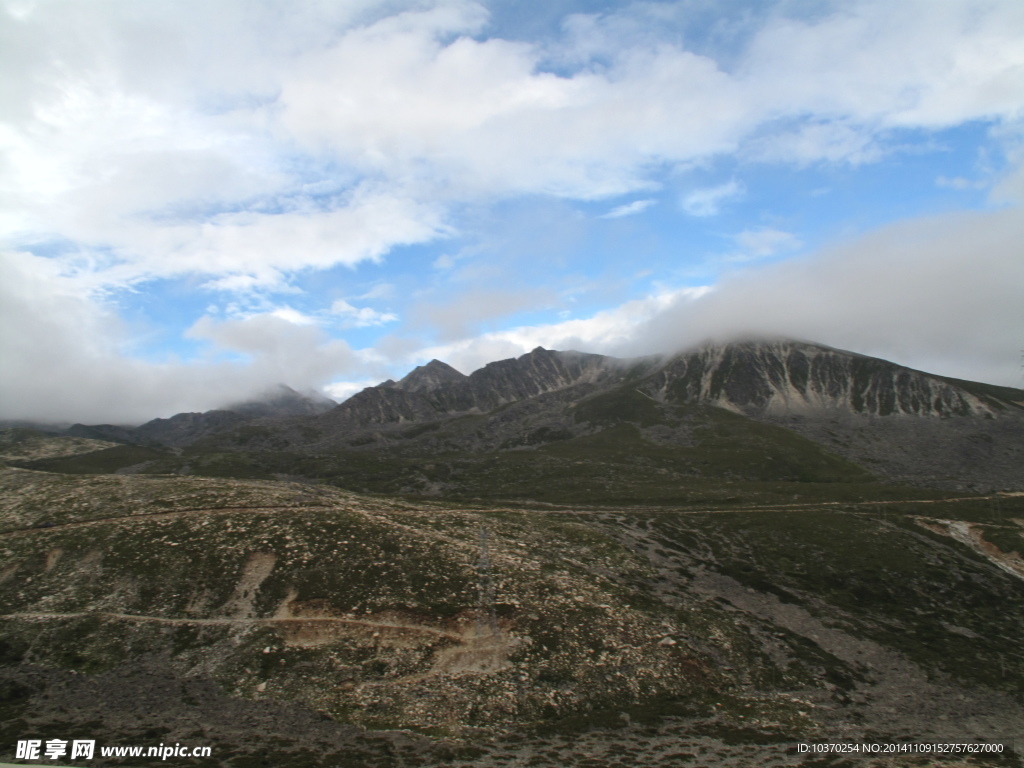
(200, 200)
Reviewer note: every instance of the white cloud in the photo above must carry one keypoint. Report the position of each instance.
(361, 317)
(610, 331)
(1010, 187)
(909, 64)
(109, 142)
(959, 183)
(250, 250)
(379, 291)
(339, 391)
(67, 357)
(629, 209)
(941, 294)
(764, 241)
(459, 316)
(444, 262)
(292, 316)
(282, 349)
(832, 141)
(707, 202)
(237, 144)
(477, 117)
(115, 150)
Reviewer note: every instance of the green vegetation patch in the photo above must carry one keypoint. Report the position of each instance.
(626, 404)
(97, 462)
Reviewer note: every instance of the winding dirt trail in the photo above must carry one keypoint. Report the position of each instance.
(470, 653)
(766, 507)
(222, 621)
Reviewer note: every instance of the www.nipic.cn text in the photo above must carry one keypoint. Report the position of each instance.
(85, 749)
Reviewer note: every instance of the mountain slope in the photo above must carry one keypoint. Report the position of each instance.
(437, 390)
(786, 377)
(759, 379)
(893, 421)
(280, 402)
(757, 411)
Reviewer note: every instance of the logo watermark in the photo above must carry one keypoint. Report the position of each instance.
(85, 749)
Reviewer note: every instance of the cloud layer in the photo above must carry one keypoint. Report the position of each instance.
(941, 294)
(244, 148)
(126, 134)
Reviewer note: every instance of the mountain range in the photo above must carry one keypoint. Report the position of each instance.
(759, 410)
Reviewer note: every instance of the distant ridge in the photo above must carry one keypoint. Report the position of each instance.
(186, 428)
(755, 378)
(873, 414)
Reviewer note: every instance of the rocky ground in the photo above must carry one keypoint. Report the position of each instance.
(29, 445)
(297, 624)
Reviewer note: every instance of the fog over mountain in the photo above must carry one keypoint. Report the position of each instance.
(939, 294)
(198, 204)
(759, 409)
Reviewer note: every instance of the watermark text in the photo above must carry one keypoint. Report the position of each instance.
(86, 749)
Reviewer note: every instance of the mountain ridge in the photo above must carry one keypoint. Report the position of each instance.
(791, 375)
(181, 429)
(758, 379)
(799, 410)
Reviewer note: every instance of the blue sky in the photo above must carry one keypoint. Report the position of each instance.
(200, 200)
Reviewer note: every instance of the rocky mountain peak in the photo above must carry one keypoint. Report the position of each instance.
(280, 401)
(426, 378)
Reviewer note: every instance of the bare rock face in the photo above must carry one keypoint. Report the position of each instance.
(903, 424)
(764, 380)
(794, 377)
(756, 378)
(427, 378)
(437, 390)
(540, 371)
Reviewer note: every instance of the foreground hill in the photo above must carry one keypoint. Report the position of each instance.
(296, 624)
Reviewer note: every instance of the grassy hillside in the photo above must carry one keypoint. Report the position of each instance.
(22, 444)
(306, 621)
(634, 452)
